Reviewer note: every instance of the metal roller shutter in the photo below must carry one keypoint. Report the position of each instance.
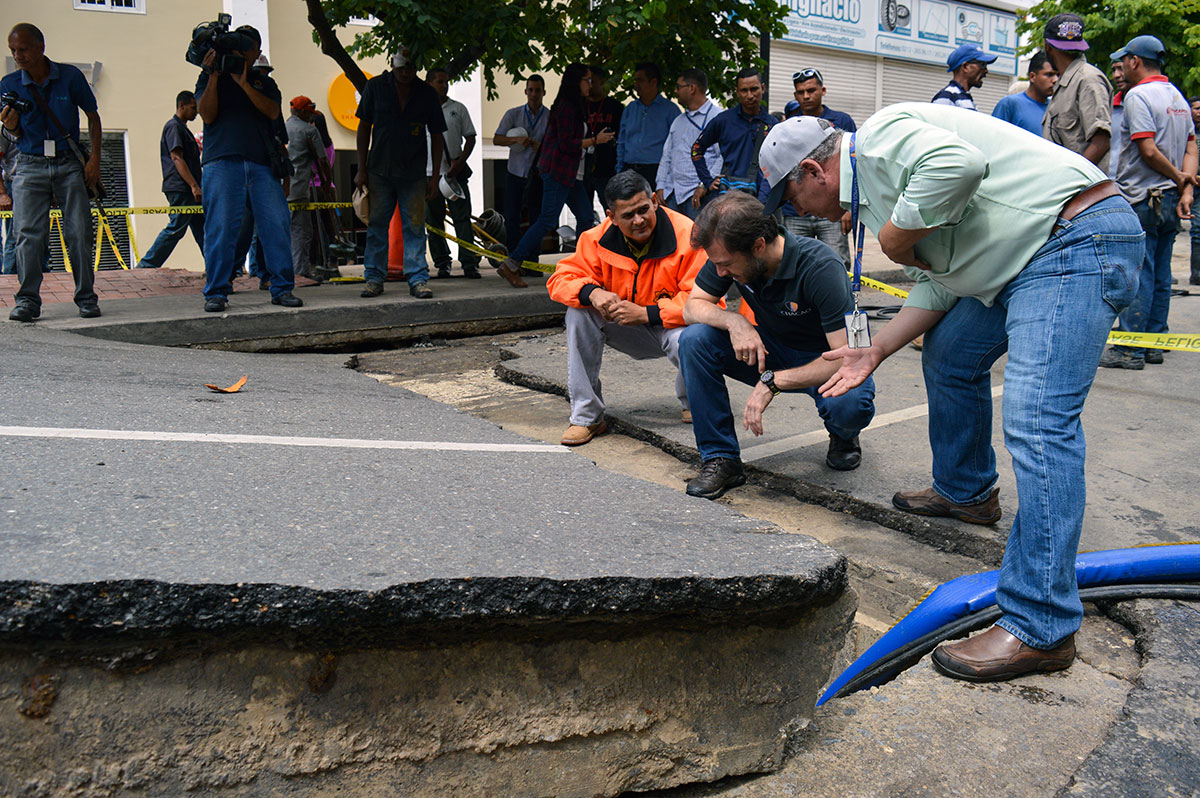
(909, 81)
(849, 77)
(116, 183)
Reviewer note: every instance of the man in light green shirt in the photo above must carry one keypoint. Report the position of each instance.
(1015, 245)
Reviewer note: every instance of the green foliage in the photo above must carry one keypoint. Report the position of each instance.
(520, 37)
(1109, 24)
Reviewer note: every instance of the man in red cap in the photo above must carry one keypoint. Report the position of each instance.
(306, 150)
(1079, 116)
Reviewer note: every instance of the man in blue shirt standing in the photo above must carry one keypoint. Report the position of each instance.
(239, 110)
(677, 181)
(1027, 108)
(644, 124)
(180, 156)
(740, 132)
(967, 66)
(48, 167)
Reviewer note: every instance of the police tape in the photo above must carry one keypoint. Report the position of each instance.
(188, 209)
(544, 268)
(1181, 343)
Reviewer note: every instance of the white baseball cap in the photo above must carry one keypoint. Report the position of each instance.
(786, 145)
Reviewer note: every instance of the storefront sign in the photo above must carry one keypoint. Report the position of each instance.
(917, 30)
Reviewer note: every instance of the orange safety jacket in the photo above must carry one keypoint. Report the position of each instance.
(660, 283)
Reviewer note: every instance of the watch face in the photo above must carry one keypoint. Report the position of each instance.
(767, 377)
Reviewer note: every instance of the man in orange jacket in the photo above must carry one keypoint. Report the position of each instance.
(625, 285)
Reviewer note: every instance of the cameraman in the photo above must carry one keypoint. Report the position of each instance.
(241, 164)
(47, 166)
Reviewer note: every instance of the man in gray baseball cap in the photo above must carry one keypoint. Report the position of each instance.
(1014, 245)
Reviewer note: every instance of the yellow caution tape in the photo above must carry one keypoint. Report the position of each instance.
(186, 209)
(545, 268)
(1182, 343)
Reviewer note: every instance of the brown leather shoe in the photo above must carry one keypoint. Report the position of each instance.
(510, 271)
(578, 436)
(930, 502)
(996, 655)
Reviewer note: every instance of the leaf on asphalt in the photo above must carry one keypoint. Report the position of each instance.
(237, 386)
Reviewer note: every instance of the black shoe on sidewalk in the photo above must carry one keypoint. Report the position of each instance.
(214, 305)
(843, 455)
(288, 300)
(1154, 357)
(421, 291)
(717, 476)
(24, 313)
(89, 310)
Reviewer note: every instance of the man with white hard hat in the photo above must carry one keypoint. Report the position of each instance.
(1015, 245)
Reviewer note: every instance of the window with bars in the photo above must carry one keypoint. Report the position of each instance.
(116, 184)
(124, 6)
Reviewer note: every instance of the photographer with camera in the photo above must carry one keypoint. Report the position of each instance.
(39, 114)
(241, 162)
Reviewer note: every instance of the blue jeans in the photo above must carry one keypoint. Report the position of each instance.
(177, 225)
(1194, 232)
(554, 196)
(8, 260)
(386, 195)
(228, 184)
(1053, 319)
(706, 357)
(1148, 310)
(36, 180)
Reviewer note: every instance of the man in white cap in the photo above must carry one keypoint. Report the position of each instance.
(1017, 246)
(1079, 116)
(968, 67)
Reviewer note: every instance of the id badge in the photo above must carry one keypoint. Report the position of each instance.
(49, 148)
(858, 332)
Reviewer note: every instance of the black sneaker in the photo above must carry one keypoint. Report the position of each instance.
(372, 289)
(24, 313)
(214, 305)
(89, 310)
(1154, 357)
(443, 273)
(421, 291)
(717, 476)
(288, 300)
(843, 455)
(472, 273)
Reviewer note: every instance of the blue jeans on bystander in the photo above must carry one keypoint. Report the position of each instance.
(386, 196)
(1052, 319)
(228, 183)
(554, 196)
(1148, 310)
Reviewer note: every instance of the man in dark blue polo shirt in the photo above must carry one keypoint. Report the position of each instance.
(799, 294)
(238, 111)
(394, 114)
(739, 132)
(47, 167)
(180, 156)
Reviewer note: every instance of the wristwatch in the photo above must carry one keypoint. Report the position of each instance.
(767, 378)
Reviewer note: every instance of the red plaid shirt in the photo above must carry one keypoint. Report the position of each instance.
(562, 147)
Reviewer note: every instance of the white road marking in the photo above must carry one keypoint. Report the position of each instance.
(772, 448)
(271, 440)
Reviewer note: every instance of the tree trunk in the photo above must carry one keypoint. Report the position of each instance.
(333, 48)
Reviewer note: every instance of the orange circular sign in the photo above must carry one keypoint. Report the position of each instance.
(343, 100)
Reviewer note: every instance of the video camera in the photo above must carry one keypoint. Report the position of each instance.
(217, 36)
(12, 100)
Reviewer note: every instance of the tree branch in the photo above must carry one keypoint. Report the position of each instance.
(333, 48)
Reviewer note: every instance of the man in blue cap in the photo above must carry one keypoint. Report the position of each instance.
(1156, 169)
(968, 67)
(1079, 116)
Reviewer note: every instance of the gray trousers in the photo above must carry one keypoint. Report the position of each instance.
(587, 333)
(302, 233)
(36, 181)
(820, 229)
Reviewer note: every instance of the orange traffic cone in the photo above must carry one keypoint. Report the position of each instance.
(395, 270)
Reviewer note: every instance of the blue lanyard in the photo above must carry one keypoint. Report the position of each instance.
(855, 225)
(531, 119)
(704, 120)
